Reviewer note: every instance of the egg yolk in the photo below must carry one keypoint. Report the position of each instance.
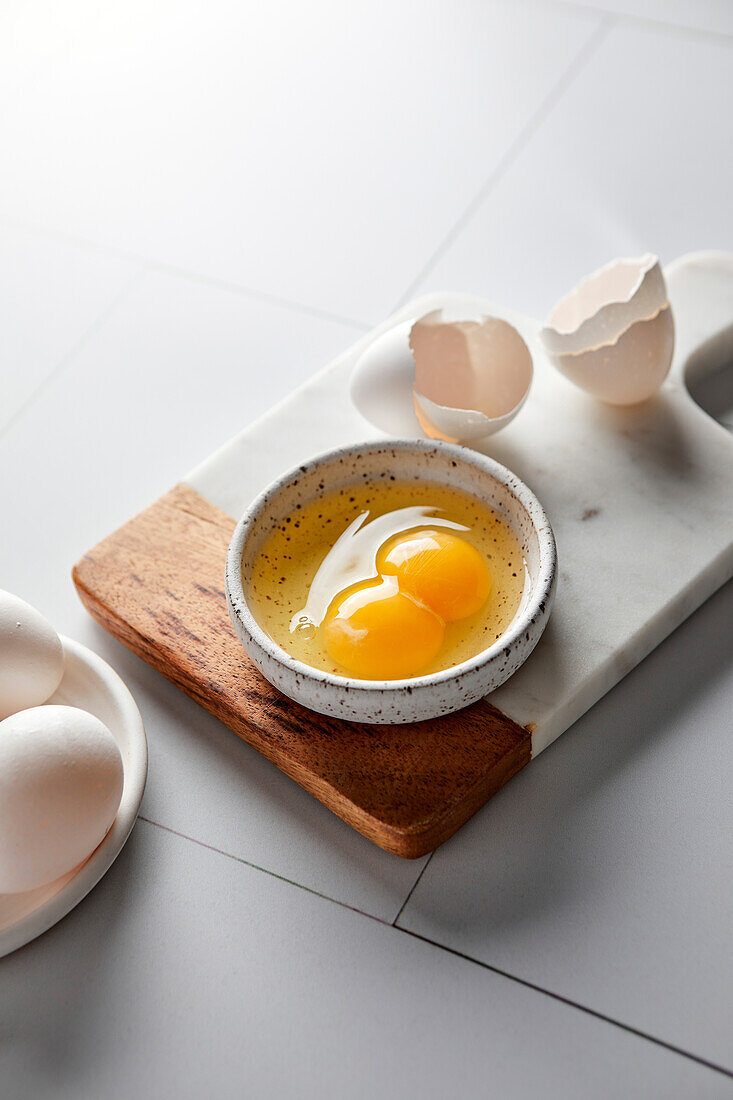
(379, 632)
(439, 569)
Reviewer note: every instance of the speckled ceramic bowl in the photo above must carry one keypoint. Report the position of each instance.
(393, 701)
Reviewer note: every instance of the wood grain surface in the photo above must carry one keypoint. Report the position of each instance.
(157, 584)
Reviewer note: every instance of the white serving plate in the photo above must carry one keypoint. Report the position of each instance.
(91, 684)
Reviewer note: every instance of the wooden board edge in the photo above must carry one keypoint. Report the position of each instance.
(408, 843)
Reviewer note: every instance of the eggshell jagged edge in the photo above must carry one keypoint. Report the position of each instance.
(609, 316)
(457, 422)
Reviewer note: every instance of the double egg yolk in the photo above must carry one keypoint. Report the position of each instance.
(392, 627)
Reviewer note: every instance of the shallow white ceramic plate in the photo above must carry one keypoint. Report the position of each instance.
(91, 684)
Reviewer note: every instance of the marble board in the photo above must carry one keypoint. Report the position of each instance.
(640, 499)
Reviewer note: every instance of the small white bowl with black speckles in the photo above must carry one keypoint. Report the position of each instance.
(420, 697)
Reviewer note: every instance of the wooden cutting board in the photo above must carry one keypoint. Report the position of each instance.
(641, 501)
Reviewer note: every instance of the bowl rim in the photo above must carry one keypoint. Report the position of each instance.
(543, 586)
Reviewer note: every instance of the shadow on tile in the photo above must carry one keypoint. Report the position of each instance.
(53, 990)
(208, 784)
(532, 842)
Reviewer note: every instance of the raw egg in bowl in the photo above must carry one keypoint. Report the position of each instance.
(392, 582)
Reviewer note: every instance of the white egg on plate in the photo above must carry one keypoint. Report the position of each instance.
(31, 656)
(61, 781)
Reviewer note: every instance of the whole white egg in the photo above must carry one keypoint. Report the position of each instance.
(31, 656)
(60, 788)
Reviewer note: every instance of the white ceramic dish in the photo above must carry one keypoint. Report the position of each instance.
(421, 697)
(91, 684)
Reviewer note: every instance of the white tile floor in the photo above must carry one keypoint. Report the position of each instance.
(52, 296)
(631, 157)
(200, 204)
(189, 974)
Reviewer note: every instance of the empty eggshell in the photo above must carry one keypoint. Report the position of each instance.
(60, 787)
(31, 656)
(472, 375)
(605, 304)
(613, 335)
(457, 379)
(630, 370)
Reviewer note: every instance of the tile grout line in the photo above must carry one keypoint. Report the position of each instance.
(147, 266)
(631, 19)
(527, 132)
(217, 283)
(151, 265)
(572, 1004)
(449, 950)
(79, 344)
(413, 888)
(263, 870)
(609, 20)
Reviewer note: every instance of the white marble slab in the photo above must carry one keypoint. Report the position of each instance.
(187, 975)
(641, 499)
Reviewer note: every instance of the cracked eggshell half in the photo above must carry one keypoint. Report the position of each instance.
(456, 379)
(472, 375)
(613, 334)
